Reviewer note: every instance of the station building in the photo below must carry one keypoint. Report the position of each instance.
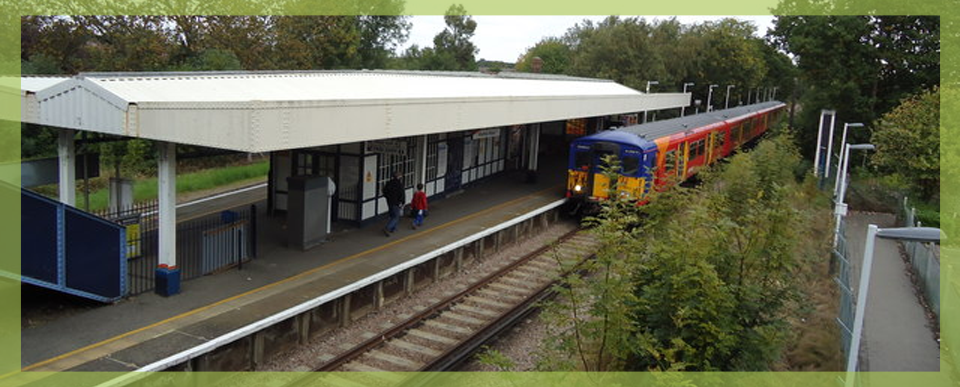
(445, 130)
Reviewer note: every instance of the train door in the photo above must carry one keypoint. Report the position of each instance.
(674, 163)
(596, 178)
(711, 154)
(683, 155)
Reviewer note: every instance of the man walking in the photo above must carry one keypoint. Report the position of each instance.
(393, 193)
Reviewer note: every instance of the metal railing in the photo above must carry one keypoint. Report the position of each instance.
(843, 279)
(924, 260)
(204, 245)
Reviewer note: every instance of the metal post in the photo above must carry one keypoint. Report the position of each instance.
(648, 92)
(854, 353)
(843, 173)
(423, 161)
(826, 172)
(68, 167)
(726, 104)
(841, 207)
(709, 96)
(840, 163)
(843, 155)
(816, 157)
(86, 179)
(684, 108)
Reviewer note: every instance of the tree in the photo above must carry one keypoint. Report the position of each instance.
(379, 36)
(316, 42)
(860, 66)
(127, 43)
(452, 48)
(908, 141)
(554, 53)
(617, 49)
(729, 54)
(213, 59)
(250, 38)
(594, 311)
(717, 274)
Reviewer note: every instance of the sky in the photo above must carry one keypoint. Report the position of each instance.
(505, 38)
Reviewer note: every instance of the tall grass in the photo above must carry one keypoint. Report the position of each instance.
(146, 189)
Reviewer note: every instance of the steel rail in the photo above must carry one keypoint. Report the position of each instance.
(418, 319)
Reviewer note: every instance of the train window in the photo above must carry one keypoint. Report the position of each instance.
(582, 160)
(631, 165)
(701, 147)
(671, 160)
(601, 154)
(721, 136)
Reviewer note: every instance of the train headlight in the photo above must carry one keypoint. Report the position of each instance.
(577, 188)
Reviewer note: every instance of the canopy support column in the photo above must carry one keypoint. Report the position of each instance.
(533, 150)
(68, 167)
(167, 274)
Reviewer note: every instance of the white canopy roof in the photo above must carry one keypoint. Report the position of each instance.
(267, 111)
(28, 87)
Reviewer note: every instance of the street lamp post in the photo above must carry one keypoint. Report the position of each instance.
(684, 108)
(709, 95)
(841, 208)
(843, 143)
(726, 105)
(914, 234)
(648, 92)
(758, 94)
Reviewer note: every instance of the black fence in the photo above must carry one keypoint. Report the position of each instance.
(205, 245)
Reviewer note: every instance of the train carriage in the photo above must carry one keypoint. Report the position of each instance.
(656, 153)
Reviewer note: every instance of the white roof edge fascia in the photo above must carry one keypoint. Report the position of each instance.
(77, 82)
(365, 102)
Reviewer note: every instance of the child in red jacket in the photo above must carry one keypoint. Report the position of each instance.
(419, 206)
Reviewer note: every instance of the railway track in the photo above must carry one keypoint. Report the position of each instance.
(441, 336)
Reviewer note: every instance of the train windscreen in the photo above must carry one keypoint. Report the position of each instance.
(581, 160)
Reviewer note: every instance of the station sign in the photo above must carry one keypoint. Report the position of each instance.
(389, 147)
(486, 133)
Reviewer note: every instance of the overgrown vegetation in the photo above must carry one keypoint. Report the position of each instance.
(198, 180)
(714, 278)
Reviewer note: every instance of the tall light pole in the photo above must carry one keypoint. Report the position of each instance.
(912, 234)
(840, 163)
(648, 92)
(758, 94)
(684, 108)
(709, 95)
(841, 208)
(726, 104)
(774, 92)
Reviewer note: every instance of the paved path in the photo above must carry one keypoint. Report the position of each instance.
(896, 336)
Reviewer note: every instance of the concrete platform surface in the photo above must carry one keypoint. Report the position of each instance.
(148, 327)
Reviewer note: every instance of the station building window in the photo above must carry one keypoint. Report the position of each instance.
(483, 154)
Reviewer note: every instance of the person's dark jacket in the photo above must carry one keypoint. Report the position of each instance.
(393, 192)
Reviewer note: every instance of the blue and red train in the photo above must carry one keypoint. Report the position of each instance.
(656, 153)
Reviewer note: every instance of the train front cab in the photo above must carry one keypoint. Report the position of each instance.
(586, 180)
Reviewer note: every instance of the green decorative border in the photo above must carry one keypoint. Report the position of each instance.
(950, 279)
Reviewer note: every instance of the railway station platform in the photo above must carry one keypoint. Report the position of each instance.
(143, 329)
